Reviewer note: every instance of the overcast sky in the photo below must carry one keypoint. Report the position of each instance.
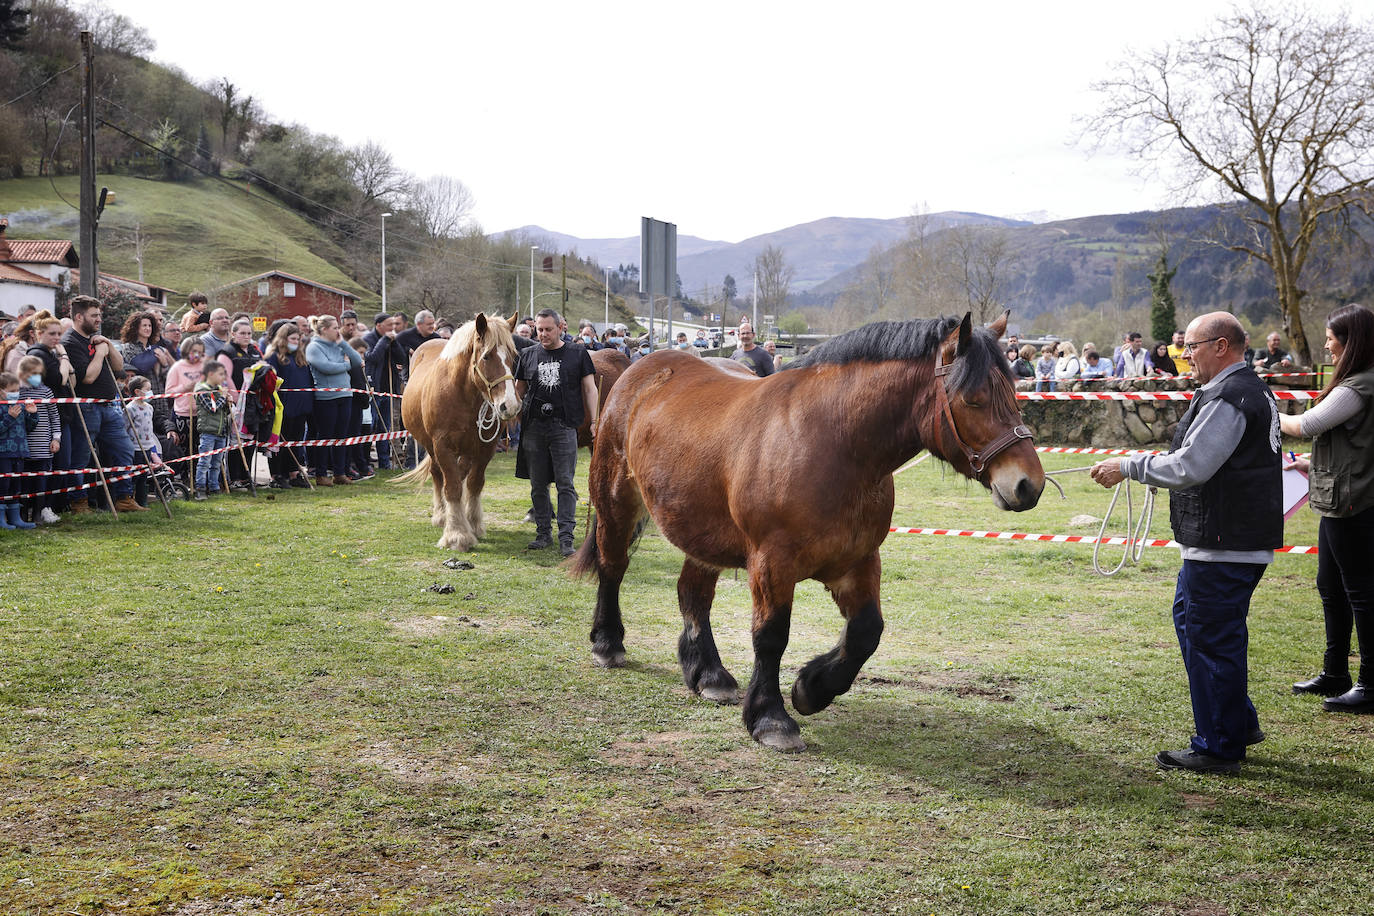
(730, 119)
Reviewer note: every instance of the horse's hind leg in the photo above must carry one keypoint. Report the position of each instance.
(436, 475)
(764, 715)
(828, 675)
(619, 513)
(702, 670)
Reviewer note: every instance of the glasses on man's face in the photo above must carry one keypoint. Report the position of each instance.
(1190, 347)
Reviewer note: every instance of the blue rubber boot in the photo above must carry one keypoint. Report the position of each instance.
(12, 516)
(4, 515)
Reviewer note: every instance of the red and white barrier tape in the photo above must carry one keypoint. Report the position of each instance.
(1060, 538)
(1141, 395)
(188, 394)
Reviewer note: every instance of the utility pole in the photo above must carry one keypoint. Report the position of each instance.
(89, 215)
(564, 309)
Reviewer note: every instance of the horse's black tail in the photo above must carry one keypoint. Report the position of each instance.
(584, 563)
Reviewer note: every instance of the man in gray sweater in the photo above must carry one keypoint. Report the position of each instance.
(1225, 507)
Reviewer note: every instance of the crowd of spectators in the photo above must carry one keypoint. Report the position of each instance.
(208, 386)
(1060, 366)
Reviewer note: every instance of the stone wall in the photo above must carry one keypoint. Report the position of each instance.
(1115, 424)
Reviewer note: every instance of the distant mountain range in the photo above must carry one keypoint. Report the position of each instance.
(1089, 261)
(817, 250)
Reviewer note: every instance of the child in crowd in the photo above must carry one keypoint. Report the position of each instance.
(145, 439)
(45, 439)
(360, 417)
(212, 420)
(15, 422)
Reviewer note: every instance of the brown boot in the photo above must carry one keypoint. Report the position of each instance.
(341, 480)
(128, 504)
(324, 481)
(79, 507)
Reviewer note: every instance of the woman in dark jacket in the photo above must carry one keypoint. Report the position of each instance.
(1341, 489)
(286, 356)
(1160, 361)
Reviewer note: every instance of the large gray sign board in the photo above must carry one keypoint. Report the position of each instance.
(657, 257)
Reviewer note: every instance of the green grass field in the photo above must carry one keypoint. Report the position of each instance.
(260, 706)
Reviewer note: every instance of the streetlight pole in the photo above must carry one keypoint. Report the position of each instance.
(384, 216)
(533, 249)
(608, 297)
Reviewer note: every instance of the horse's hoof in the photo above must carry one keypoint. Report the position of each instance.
(608, 659)
(780, 738)
(803, 703)
(725, 696)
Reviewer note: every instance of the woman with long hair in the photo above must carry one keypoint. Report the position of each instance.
(1161, 363)
(1341, 490)
(16, 347)
(286, 356)
(330, 359)
(142, 349)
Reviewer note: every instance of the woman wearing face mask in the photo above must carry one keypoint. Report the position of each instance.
(236, 357)
(286, 356)
(181, 381)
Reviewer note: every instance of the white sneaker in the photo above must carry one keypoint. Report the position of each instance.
(48, 517)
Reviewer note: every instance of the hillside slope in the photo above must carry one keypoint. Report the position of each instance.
(196, 234)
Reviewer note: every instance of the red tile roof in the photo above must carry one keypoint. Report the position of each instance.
(42, 251)
(11, 274)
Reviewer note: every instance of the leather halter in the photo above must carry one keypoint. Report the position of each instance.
(977, 460)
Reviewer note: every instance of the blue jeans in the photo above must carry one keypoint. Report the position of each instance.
(552, 447)
(106, 424)
(207, 468)
(1211, 603)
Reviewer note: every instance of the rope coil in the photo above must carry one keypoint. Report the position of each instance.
(1135, 541)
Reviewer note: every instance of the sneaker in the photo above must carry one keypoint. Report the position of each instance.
(200, 496)
(1189, 759)
(365, 475)
(48, 517)
(277, 484)
(238, 486)
(299, 482)
(529, 516)
(540, 542)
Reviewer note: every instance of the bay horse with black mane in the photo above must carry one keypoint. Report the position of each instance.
(808, 495)
(460, 390)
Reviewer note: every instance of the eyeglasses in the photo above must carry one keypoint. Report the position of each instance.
(1190, 347)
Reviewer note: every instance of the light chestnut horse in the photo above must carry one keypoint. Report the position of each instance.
(460, 391)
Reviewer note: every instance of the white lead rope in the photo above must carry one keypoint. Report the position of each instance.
(1136, 532)
(488, 419)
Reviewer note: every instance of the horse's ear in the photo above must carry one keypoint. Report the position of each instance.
(514, 320)
(480, 322)
(956, 343)
(999, 327)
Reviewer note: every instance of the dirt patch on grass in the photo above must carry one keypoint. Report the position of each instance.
(414, 766)
(432, 625)
(998, 688)
(1196, 802)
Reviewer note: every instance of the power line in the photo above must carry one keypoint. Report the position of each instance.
(40, 85)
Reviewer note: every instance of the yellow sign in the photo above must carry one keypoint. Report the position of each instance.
(259, 323)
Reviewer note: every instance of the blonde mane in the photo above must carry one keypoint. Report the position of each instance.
(465, 350)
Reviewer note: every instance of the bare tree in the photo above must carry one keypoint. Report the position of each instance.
(981, 261)
(1271, 106)
(376, 175)
(116, 33)
(775, 279)
(441, 205)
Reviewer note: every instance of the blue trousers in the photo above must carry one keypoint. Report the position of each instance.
(551, 446)
(1211, 603)
(106, 424)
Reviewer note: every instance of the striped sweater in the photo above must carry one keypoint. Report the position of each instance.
(49, 426)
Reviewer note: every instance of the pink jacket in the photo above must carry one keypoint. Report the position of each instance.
(182, 377)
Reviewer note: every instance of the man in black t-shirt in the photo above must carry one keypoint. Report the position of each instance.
(561, 383)
(96, 364)
(752, 355)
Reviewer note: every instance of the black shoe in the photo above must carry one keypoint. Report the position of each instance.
(1357, 699)
(1255, 737)
(1189, 759)
(540, 543)
(277, 484)
(1325, 685)
(566, 548)
(299, 482)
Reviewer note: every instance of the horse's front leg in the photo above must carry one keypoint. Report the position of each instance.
(457, 535)
(702, 670)
(764, 715)
(828, 675)
(475, 481)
